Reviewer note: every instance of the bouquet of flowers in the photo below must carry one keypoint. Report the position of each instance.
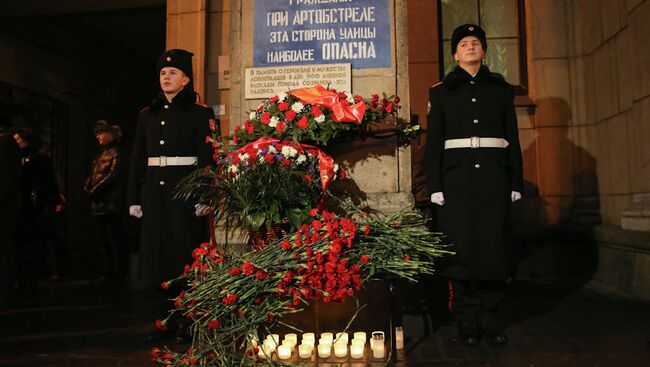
(234, 297)
(314, 114)
(264, 184)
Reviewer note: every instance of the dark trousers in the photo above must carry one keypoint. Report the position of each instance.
(111, 236)
(476, 303)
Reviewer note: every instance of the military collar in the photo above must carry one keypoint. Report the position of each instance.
(459, 76)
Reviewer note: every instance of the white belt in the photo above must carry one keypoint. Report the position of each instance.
(163, 161)
(476, 142)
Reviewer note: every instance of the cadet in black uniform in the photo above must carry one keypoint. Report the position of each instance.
(474, 170)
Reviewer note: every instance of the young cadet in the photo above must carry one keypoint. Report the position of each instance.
(474, 171)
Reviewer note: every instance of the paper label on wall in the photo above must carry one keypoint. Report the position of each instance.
(262, 83)
(223, 71)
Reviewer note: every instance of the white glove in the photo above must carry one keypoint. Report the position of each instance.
(438, 198)
(515, 195)
(201, 210)
(135, 211)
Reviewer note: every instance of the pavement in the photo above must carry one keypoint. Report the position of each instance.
(552, 323)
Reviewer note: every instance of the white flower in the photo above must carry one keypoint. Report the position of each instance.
(297, 107)
(349, 97)
(261, 159)
(301, 158)
(271, 147)
(233, 169)
(282, 96)
(320, 118)
(252, 115)
(336, 167)
(274, 121)
(243, 157)
(288, 151)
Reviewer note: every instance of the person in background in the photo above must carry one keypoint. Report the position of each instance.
(474, 172)
(106, 189)
(169, 145)
(37, 228)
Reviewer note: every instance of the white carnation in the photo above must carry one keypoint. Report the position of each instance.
(320, 118)
(274, 121)
(271, 147)
(282, 96)
(336, 167)
(252, 115)
(243, 157)
(233, 169)
(349, 97)
(301, 158)
(288, 151)
(297, 107)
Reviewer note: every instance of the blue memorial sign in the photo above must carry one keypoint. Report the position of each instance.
(294, 32)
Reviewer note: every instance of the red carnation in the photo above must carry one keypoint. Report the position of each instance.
(307, 178)
(161, 325)
(269, 158)
(303, 123)
(285, 163)
(283, 106)
(266, 118)
(208, 139)
(364, 259)
(407, 258)
(164, 285)
(390, 108)
(286, 245)
(315, 111)
(234, 271)
(248, 268)
(230, 299)
(214, 324)
(274, 99)
(261, 274)
(313, 212)
(258, 300)
(281, 126)
(290, 115)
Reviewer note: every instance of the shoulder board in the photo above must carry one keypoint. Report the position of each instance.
(201, 104)
(435, 85)
(144, 108)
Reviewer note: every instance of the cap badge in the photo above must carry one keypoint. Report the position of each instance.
(169, 59)
(470, 29)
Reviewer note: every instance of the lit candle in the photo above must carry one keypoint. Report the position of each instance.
(356, 350)
(325, 336)
(342, 336)
(399, 337)
(284, 352)
(309, 337)
(253, 340)
(377, 345)
(292, 337)
(275, 337)
(304, 350)
(324, 350)
(261, 353)
(270, 345)
(360, 335)
(289, 343)
(340, 349)
(376, 335)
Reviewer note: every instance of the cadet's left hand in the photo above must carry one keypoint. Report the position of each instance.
(515, 195)
(201, 210)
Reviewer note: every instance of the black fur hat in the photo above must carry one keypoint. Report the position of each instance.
(176, 58)
(466, 30)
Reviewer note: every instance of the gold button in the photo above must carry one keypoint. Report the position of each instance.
(472, 82)
(166, 106)
(162, 183)
(477, 165)
(473, 99)
(162, 142)
(475, 121)
(162, 122)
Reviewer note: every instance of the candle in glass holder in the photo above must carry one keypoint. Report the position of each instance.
(324, 350)
(289, 343)
(379, 334)
(253, 340)
(308, 337)
(359, 335)
(275, 337)
(356, 350)
(261, 354)
(293, 337)
(342, 336)
(340, 349)
(326, 336)
(377, 345)
(304, 350)
(270, 345)
(284, 352)
(399, 338)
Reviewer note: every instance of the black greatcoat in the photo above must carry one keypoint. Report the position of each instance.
(169, 229)
(476, 182)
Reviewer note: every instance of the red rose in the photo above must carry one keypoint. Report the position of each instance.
(316, 224)
(208, 139)
(164, 285)
(290, 115)
(161, 325)
(280, 126)
(364, 259)
(261, 274)
(315, 111)
(234, 271)
(390, 108)
(313, 212)
(214, 324)
(397, 100)
(358, 99)
(266, 118)
(283, 106)
(303, 123)
(248, 268)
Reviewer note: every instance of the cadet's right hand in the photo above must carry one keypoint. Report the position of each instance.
(135, 211)
(438, 198)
